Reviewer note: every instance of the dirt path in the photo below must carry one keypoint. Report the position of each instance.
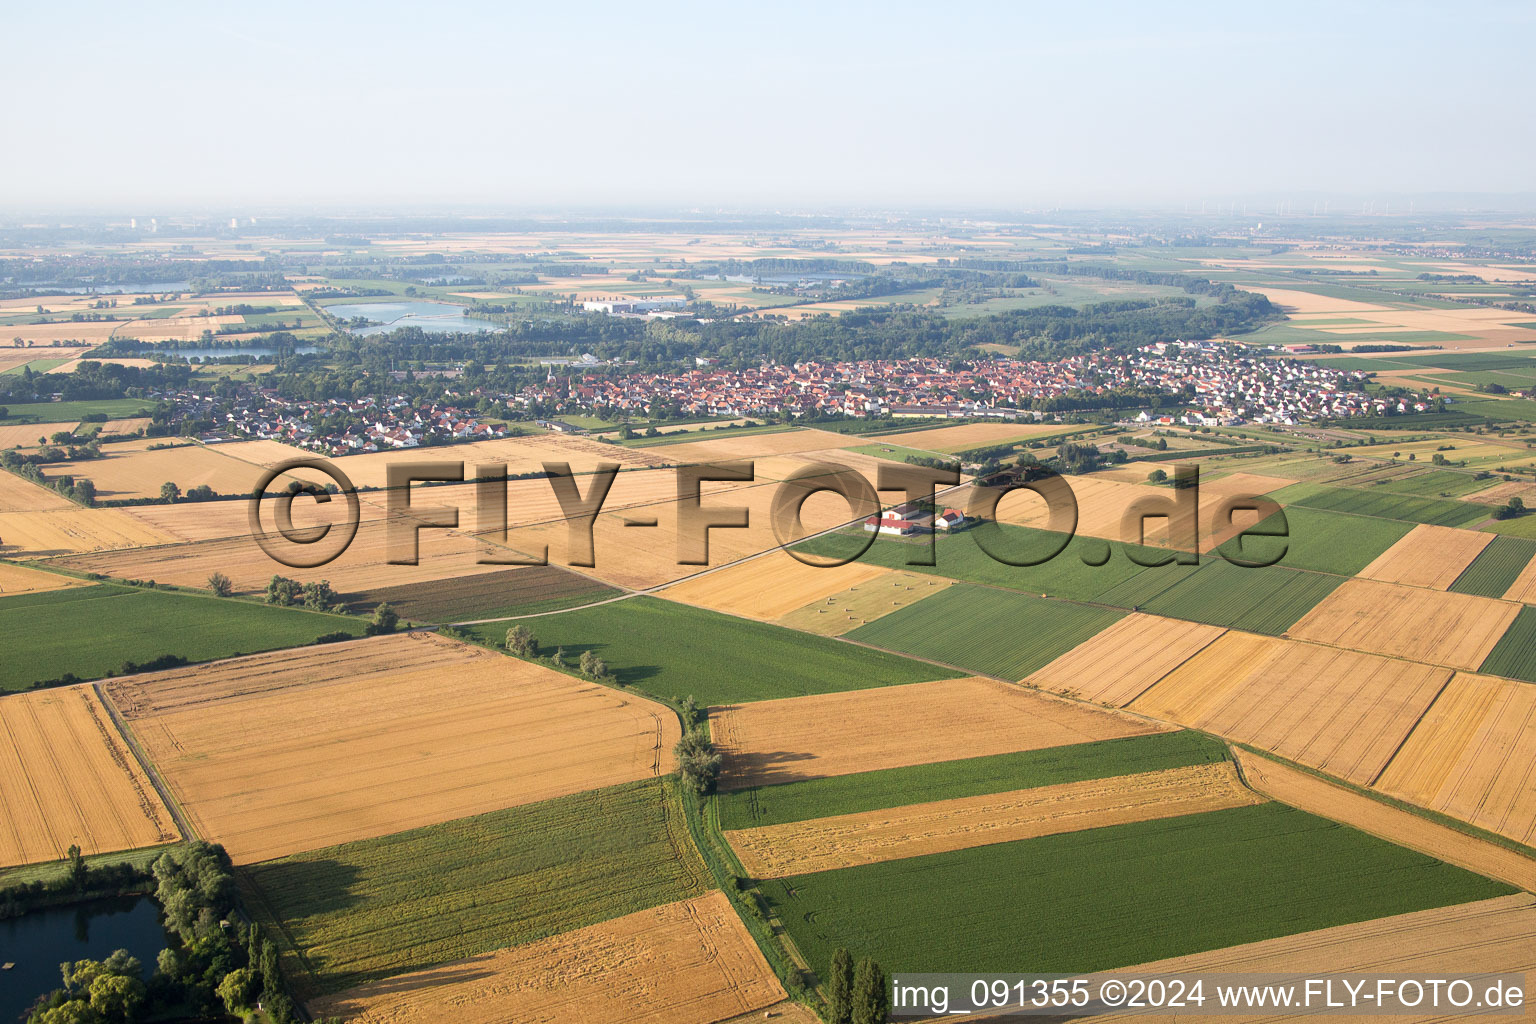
(1317, 796)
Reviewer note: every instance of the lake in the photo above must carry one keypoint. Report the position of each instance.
(432, 317)
(38, 942)
(214, 353)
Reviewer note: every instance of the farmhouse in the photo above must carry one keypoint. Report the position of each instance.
(889, 523)
(952, 519)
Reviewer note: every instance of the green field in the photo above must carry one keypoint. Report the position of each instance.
(972, 776)
(1514, 656)
(671, 649)
(1267, 600)
(1382, 504)
(960, 557)
(1324, 541)
(1109, 897)
(526, 590)
(1440, 482)
(985, 630)
(361, 911)
(1496, 567)
(91, 631)
(58, 412)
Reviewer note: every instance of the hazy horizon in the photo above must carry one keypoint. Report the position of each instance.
(1006, 108)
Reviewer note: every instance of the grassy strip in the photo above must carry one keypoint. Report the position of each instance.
(53, 870)
(972, 776)
(995, 632)
(367, 910)
(89, 632)
(1496, 567)
(1101, 898)
(671, 649)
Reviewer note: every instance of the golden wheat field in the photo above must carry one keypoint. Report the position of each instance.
(684, 963)
(1118, 665)
(1428, 556)
(124, 472)
(1474, 756)
(967, 436)
(27, 435)
(132, 425)
(796, 738)
(1342, 712)
(294, 750)
(18, 579)
(822, 844)
(772, 586)
(67, 778)
(1441, 628)
(1405, 828)
(863, 603)
(1524, 587)
(18, 494)
(73, 530)
(1106, 508)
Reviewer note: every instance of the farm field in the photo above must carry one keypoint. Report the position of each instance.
(1103, 505)
(1515, 653)
(1457, 630)
(1491, 936)
(671, 649)
(279, 753)
(89, 631)
(771, 586)
(1116, 666)
(1498, 569)
(39, 534)
(995, 632)
(858, 605)
(1472, 756)
(1329, 542)
(915, 830)
(690, 961)
(26, 435)
(970, 776)
(128, 473)
(1196, 882)
(1341, 712)
(18, 579)
(1331, 800)
(967, 436)
(525, 590)
(18, 494)
(367, 910)
(1263, 600)
(1383, 504)
(799, 738)
(67, 778)
(1429, 556)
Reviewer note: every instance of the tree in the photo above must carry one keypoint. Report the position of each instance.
(1157, 476)
(169, 491)
(385, 619)
(697, 761)
(221, 585)
(592, 666)
(238, 990)
(520, 641)
(116, 996)
(558, 658)
(840, 988)
(870, 1000)
(282, 591)
(77, 867)
(1513, 510)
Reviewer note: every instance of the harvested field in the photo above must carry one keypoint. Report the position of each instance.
(26, 435)
(1489, 936)
(351, 914)
(859, 605)
(776, 851)
(1341, 712)
(1474, 757)
(521, 454)
(1329, 800)
(967, 436)
(67, 778)
(1430, 556)
(755, 446)
(1523, 588)
(73, 530)
(1498, 494)
(18, 494)
(17, 579)
(772, 586)
(125, 473)
(776, 741)
(1238, 484)
(1458, 630)
(1103, 504)
(524, 590)
(685, 963)
(278, 753)
(128, 426)
(1121, 663)
(1100, 898)
(672, 649)
(996, 632)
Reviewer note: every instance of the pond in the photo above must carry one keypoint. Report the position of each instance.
(38, 942)
(432, 317)
(215, 353)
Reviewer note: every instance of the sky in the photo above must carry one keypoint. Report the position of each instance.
(769, 106)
